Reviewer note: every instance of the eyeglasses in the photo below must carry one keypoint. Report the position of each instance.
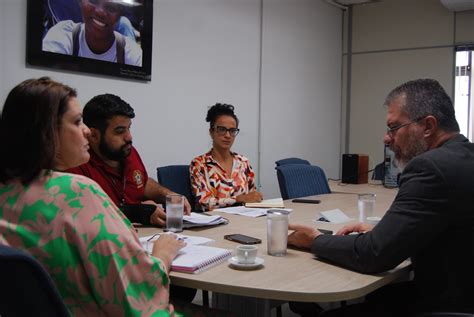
(112, 7)
(392, 130)
(223, 130)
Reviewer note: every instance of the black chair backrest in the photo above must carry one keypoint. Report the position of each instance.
(300, 180)
(177, 179)
(379, 172)
(26, 289)
(444, 314)
(292, 160)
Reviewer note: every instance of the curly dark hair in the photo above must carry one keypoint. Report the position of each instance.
(218, 110)
(29, 126)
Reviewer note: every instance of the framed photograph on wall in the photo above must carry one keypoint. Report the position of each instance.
(108, 37)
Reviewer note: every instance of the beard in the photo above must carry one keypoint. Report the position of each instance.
(113, 154)
(417, 145)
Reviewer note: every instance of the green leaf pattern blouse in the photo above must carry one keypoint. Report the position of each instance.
(87, 245)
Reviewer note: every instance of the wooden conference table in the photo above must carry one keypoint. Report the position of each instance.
(298, 276)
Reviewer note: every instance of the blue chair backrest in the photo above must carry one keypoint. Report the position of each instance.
(177, 179)
(26, 289)
(300, 180)
(291, 160)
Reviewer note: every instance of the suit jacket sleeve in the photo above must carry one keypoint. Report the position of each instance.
(418, 213)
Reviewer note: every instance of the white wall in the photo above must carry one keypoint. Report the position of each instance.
(301, 85)
(395, 41)
(205, 51)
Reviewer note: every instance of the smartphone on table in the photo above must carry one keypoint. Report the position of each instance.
(324, 231)
(306, 201)
(241, 238)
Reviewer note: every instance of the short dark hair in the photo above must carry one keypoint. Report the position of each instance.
(29, 127)
(424, 97)
(100, 109)
(218, 110)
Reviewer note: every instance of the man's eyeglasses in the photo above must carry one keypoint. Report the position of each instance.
(223, 130)
(392, 130)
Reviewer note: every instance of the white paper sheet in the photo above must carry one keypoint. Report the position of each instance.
(248, 212)
(335, 216)
(197, 218)
(147, 242)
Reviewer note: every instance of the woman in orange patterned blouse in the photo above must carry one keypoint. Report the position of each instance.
(222, 178)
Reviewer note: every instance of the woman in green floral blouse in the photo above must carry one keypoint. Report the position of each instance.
(66, 221)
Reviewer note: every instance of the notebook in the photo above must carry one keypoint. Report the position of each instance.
(197, 258)
(267, 203)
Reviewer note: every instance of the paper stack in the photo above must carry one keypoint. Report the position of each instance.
(200, 220)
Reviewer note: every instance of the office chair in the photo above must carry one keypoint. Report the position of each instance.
(176, 178)
(291, 160)
(26, 289)
(379, 172)
(299, 180)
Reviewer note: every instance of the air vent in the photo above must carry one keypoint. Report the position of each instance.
(458, 5)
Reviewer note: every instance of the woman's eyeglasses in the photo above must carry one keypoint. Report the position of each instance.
(223, 130)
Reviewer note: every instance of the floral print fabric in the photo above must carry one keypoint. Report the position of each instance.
(213, 187)
(86, 244)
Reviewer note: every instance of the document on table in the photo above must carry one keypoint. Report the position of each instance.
(335, 216)
(248, 212)
(267, 203)
(147, 242)
(198, 220)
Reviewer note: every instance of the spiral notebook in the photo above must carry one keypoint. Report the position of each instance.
(197, 258)
(267, 203)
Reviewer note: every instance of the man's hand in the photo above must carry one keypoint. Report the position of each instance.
(302, 237)
(187, 207)
(355, 227)
(252, 197)
(158, 218)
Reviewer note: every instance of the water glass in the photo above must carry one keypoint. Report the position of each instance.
(277, 231)
(366, 204)
(174, 212)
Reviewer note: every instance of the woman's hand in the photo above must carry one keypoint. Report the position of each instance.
(166, 248)
(252, 197)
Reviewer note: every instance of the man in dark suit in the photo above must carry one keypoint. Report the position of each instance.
(430, 221)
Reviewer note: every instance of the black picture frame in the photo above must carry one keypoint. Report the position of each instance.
(40, 18)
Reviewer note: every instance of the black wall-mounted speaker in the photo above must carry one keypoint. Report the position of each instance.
(355, 168)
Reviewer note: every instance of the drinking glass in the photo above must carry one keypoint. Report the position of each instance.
(277, 231)
(174, 212)
(366, 204)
